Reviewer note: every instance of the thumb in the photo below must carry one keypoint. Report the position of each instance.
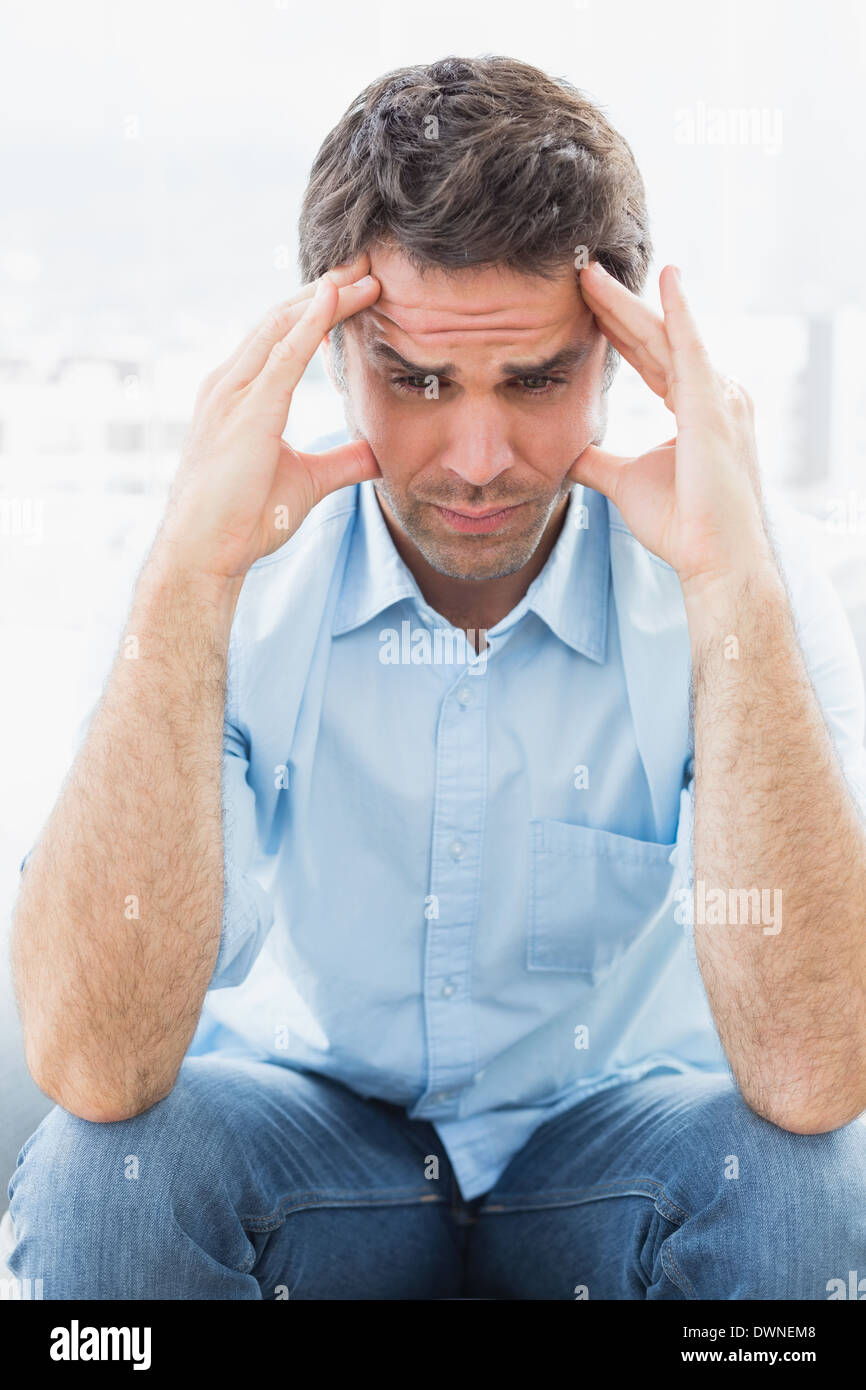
(349, 463)
(598, 469)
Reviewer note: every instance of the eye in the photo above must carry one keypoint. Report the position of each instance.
(416, 385)
(540, 385)
(528, 385)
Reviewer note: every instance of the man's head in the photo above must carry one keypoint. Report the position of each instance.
(478, 377)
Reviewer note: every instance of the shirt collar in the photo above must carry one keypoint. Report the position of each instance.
(570, 594)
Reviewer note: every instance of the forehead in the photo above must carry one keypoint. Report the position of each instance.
(495, 306)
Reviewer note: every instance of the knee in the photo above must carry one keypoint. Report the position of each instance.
(783, 1214)
(102, 1177)
(749, 1154)
(73, 1163)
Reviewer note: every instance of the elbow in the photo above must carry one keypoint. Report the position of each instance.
(96, 1112)
(90, 1099)
(805, 1124)
(815, 1118)
(100, 1111)
(821, 1122)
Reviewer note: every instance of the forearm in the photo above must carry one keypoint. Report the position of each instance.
(773, 813)
(117, 924)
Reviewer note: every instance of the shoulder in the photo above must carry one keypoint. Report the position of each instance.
(822, 623)
(322, 529)
(287, 597)
(823, 631)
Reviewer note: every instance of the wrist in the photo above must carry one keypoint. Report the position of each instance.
(752, 568)
(727, 604)
(175, 578)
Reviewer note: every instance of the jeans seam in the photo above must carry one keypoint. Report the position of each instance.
(681, 1281)
(301, 1201)
(576, 1196)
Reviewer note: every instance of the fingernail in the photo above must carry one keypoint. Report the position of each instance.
(321, 287)
(677, 276)
(364, 281)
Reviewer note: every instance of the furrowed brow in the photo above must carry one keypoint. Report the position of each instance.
(383, 352)
(562, 361)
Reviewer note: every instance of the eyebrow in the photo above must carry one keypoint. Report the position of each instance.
(562, 361)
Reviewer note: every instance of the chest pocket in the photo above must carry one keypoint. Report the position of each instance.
(592, 894)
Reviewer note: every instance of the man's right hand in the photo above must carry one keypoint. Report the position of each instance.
(241, 491)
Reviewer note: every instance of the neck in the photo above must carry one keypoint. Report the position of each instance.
(473, 604)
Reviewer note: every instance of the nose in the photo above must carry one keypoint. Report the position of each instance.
(478, 448)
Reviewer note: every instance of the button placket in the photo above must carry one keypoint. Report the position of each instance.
(455, 882)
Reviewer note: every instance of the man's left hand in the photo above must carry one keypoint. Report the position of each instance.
(695, 500)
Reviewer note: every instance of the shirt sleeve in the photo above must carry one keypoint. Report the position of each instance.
(248, 913)
(834, 667)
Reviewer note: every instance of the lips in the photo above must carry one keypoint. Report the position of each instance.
(478, 523)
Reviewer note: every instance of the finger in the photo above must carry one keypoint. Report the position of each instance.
(598, 469)
(348, 463)
(345, 301)
(692, 368)
(341, 275)
(633, 321)
(654, 379)
(288, 358)
(603, 471)
(344, 276)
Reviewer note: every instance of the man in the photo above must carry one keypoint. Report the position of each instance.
(517, 990)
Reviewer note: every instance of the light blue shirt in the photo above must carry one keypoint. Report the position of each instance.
(456, 883)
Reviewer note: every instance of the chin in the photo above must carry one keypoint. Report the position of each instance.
(475, 559)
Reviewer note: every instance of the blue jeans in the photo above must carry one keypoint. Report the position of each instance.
(252, 1180)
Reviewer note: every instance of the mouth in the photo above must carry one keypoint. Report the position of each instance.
(478, 523)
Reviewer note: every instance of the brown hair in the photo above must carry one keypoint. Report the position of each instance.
(476, 162)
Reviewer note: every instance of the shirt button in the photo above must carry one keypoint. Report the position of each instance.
(448, 989)
(464, 695)
(457, 849)
(442, 1096)
(478, 1075)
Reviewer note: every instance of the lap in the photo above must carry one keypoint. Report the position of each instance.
(671, 1187)
(238, 1147)
(256, 1180)
(263, 1125)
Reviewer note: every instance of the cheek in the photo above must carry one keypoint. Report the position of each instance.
(556, 433)
(392, 423)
